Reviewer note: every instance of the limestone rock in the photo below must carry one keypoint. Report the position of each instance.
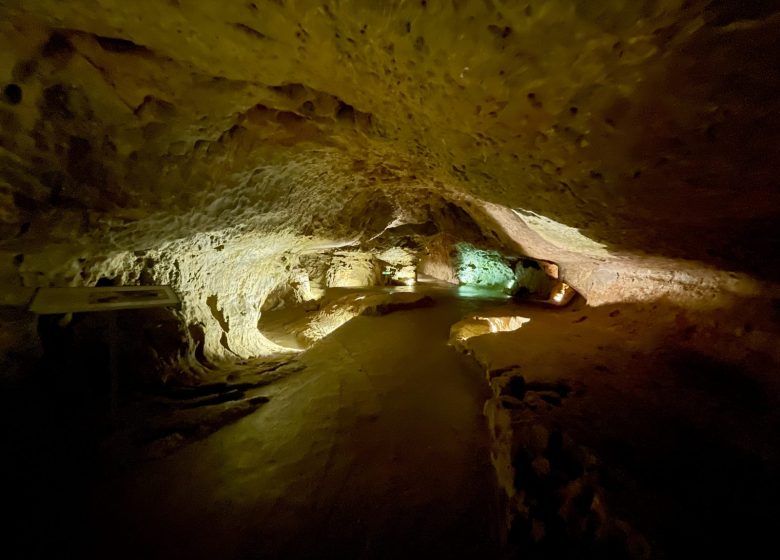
(228, 142)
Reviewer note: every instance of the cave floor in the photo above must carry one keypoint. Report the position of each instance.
(378, 449)
(684, 421)
(375, 444)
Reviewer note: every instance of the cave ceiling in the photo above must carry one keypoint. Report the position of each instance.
(650, 126)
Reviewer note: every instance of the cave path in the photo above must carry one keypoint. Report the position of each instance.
(378, 449)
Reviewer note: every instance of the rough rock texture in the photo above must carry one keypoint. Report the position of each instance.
(334, 314)
(483, 268)
(437, 262)
(635, 430)
(222, 142)
(470, 327)
(352, 269)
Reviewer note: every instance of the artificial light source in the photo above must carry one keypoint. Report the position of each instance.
(410, 281)
(562, 294)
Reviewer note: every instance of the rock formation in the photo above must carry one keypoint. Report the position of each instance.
(214, 146)
(253, 155)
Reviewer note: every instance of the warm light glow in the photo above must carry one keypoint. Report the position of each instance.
(562, 294)
(351, 269)
(560, 235)
(504, 324)
(479, 326)
(410, 281)
(328, 321)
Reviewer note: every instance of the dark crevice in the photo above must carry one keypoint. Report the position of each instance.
(217, 313)
(118, 45)
(58, 45)
(252, 32)
(12, 94)
(727, 11)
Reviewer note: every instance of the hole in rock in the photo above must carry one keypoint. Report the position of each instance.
(12, 94)
(120, 45)
(57, 45)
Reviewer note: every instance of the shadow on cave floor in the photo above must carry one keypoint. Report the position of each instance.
(60, 437)
(680, 408)
(377, 449)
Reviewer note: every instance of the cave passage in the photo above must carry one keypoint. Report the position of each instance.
(377, 449)
(454, 279)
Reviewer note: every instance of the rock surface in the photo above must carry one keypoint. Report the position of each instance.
(255, 155)
(217, 147)
(332, 314)
(626, 431)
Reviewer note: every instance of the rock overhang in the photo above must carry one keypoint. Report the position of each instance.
(270, 129)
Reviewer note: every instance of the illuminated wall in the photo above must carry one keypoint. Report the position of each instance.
(483, 268)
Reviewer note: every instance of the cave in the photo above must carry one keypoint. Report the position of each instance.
(357, 279)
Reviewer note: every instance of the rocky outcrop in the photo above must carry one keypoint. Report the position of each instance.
(127, 110)
(558, 503)
(350, 269)
(470, 327)
(620, 431)
(221, 144)
(338, 312)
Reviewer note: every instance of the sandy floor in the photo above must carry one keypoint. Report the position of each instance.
(378, 449)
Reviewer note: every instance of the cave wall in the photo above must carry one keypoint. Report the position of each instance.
(437, 261)
(634, 143)
(558, 107)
